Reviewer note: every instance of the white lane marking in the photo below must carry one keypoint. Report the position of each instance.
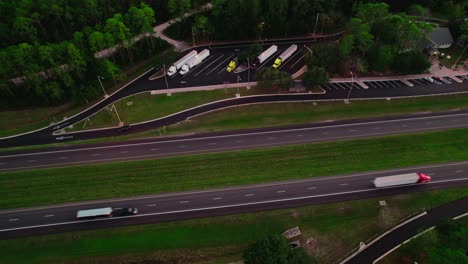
(236, 135)
(431, 174)
(49, 215)
(154, 149)
(63, 158)
(344, 184)
(196, 74)
(182, 146)
(211, 143)
(271, 138)
(312, 188)
(13, 219)
(299, 135)
(182, 202)
(123, 152)
(224, 206)
(31, 160)
(377, 128)
(290, 67)
(282, 191)
(95, 154)
(404, 125)
(352, 130)
(458, 171)
(239, 141)
(151, 205)
(249, 194)
(217, 198)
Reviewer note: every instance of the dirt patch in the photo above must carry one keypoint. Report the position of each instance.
(295, 214)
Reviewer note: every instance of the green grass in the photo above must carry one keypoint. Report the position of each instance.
(57, 185)
(144, 107)
(336, 228)
(265, 115)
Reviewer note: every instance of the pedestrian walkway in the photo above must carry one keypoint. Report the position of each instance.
(159, 33)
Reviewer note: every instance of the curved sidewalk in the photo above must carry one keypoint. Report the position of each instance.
(374, 251)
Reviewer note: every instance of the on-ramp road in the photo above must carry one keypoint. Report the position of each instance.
(222, 201)
(154, 148)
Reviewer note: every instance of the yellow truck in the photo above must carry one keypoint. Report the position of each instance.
(232, 65)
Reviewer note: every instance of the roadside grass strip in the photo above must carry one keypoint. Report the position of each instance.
(334, 230)
(89, 182)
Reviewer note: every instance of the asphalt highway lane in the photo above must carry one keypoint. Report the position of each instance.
(227, 142)
(221, 201)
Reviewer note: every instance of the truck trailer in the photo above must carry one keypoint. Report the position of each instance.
(178, 64)
(401, 179)
(105, 212)
(197, 59)
(284, 56)
(265, 55)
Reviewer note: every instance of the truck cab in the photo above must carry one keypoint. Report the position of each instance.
(277, 63)
(232, 65)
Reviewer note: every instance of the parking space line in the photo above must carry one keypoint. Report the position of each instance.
(268, 60)
(297, 61)
(196, 74)
(290, 58)
(221, 63)
(197, 66)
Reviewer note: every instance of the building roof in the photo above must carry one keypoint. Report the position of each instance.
(441, 36)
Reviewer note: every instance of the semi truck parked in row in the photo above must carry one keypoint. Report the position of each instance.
(105, 212)
(197, 59)
(178, 64)
(401, 179)
(265, 55)
(285, 55)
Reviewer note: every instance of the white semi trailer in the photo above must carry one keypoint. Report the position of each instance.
(401, 179)
(178, 64)
(285, 55)
(265, 55)
(197, 59)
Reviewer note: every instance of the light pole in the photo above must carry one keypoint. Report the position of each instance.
(165, 78)
(193, 38)
(352, 84)
(102, 86)
(248, 73)
(238, 79)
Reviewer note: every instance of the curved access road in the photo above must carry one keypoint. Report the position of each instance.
(220, 142)
(222, 201)
(378, 248)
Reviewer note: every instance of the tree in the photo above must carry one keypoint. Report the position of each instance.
(274, 249)
(370, 12)
(417, 10)
(315, 76)
(380, 57)
(347, 45)
(442, 255)
(411, 62)
(325, 55)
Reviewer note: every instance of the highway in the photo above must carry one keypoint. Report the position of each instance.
(222, 201)
(220, 142)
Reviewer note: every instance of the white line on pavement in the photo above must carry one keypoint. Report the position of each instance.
(151, 205)
(49, 215)
(212, 143)
(63, 158)
(154, 149)
(217, 198)
(95, 155)
(458, 171)
(196, 74)
(123, 152)
(13, 219)
(31, 160)
(222, 206)
(249, 194)
(182, 202)
(282, 191)
(344, 184)
(312, 188)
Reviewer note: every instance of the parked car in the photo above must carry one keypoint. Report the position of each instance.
(429, 79)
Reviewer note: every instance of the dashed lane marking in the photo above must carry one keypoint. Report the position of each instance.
(211, 143)
(282, 191)
(63, 158)
(344, 184)
(151, 205)
(182, 202)
(249, 194)
(217, 198)
(49, 215)
(154, 149)
(95, 155)
(13, 219)
(458, 171)
(123, 152)
(312, 188)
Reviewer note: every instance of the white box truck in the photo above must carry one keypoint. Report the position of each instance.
(265, 55)
(197, 59)
(401, 179)
(284, 56)
(178, 64)
(91, 213)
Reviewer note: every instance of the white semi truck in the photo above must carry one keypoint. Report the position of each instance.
(197, 59)
(285, 55)
(401, 179)
(178, 64)
(105, 212)
(265, 55)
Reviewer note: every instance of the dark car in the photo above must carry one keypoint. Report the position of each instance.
(124, 128)
(125, 211)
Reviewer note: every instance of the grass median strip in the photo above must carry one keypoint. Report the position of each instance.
(222, 239)
(87, 182)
